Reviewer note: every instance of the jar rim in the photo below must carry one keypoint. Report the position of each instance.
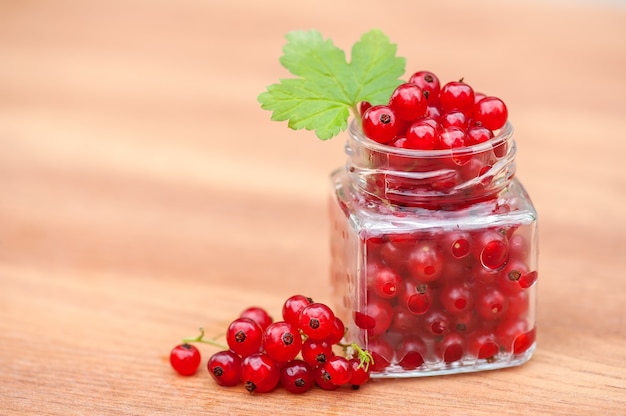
(503, 134)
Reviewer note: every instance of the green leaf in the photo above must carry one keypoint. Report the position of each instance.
(327, 87)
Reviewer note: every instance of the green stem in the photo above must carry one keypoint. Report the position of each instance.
(365, 357)
(200, 338)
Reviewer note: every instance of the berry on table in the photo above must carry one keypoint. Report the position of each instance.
(260, 373)
(185, 359)
(225, 368)
(339, 330)
(322, 379)
(360, 373)
(244, 336)
(316, 352)
(338, 369)
(297, 377)
(258, 315)
(292, 308)
(282, 341)
(317, 320)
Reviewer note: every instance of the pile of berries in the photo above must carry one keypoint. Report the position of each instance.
(440, 299)
(421, 114)
(296, 352)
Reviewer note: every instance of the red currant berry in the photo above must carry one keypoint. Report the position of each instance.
(282, 341)
(457, 243)
(516, 277)
(433, 112)
(528, 279)
(375, 316)
(316, 352)
(382, 354)
(411, 352)
(519, 247)
(451, 347)
(260, 373)
(322, 378)
(456, 297)
(225, 368)
(477, 134)
(493, 249)
(482, 344)
(429, 83)
(457, 95)
(519, 305)
(524, 341)
(385, 282)
(422, 135)
(425, 262)
(515, 336)
(379, 123)
(491, 304)
(500, 149)
(339, 330)
(429, 120)
(244, 336)
(408, 102)
(258, 315)
(185, 359)
(465, 322)
(436, 323)
(317, 321)
(416, 297)
(339, 370)
(451, 138)
(360, 372)
(293, 307)
(478, 96)
(404, 321)
(455, 118)
(490, 112)
(296, 377)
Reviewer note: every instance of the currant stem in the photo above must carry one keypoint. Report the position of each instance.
(365, 357)
(200, 338)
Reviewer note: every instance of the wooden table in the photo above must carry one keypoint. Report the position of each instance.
(144, 194)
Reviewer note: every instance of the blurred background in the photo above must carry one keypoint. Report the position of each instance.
(131, 140)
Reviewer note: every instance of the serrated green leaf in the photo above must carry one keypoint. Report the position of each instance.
(328, 117)
(329, 87)
(376, 68)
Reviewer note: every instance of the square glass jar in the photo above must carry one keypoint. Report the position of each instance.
(434, 256)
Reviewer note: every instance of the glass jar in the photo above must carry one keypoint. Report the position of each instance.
(434, 256)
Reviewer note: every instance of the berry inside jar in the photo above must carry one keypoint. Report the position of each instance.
(434, 239)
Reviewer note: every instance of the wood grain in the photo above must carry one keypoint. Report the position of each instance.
(143, 193)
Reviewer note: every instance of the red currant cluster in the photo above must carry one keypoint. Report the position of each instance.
(422, 114)
(296, 353)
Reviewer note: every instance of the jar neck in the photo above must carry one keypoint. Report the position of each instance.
(434, 179)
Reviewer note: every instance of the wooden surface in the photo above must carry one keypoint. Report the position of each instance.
(144, 193)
